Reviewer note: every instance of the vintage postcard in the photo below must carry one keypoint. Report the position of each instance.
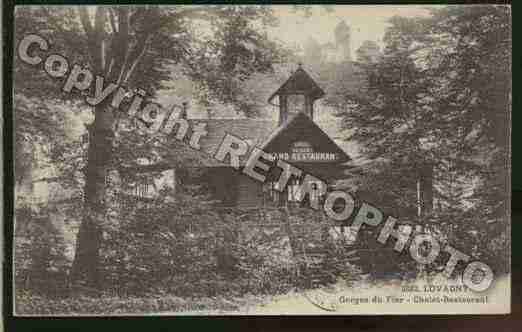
(261, 160)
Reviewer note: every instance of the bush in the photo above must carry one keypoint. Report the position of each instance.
(183, 248)
(40, 261)
(190, 249)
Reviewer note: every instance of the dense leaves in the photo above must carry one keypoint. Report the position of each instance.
(436, 102)
(436, 97)
(217, 47)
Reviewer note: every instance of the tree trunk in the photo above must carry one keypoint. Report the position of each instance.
(86, 266)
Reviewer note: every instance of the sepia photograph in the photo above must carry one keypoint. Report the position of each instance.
(212, 160)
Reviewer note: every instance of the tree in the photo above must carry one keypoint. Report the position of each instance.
(473, 56)
(389, 114)
(135, 46)
(368, 52)
(434, 113)
(313, 52)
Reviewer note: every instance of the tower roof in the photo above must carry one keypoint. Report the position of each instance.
(299, 82)
(298, 127)
(342, 30)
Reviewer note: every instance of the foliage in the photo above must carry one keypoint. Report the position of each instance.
(438, 97)
(217, 47)
(182, 245)
(40, 261)
(27, 303)
(40, 130)
(179, 246)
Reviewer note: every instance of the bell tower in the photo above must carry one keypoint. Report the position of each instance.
(343, 35)
(297, 95)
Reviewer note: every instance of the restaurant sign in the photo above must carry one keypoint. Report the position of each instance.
(302, 151)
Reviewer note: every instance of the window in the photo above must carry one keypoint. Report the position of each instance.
(294, 190)
(142, 187)
(296, 104)
(316, 190)
(270, 192)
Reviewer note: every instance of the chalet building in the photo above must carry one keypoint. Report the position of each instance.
(295, 138)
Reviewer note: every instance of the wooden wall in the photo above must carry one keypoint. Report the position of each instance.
(222, 184)
(233, 188)
(250, 192)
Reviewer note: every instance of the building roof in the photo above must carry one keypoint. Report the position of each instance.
(300, 125)
(254, 131)
(342, 30)
(299, 82)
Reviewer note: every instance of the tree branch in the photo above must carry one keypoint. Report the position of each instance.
(86, 22)
(197, 12)
(142, 50)
(123, 39)
(49, 179)
(94, 35)
(113, 20)
(99, 32)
